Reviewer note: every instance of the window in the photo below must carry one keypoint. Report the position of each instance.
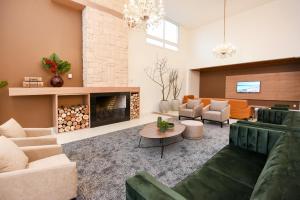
(164, 35)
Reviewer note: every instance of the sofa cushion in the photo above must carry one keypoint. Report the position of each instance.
(212, 115)
(51, 161)
(271, 116)
(12, 129)
(192, 103)
(280, 178)
(11, 157)
(218, 105)
(230, 174)
(240, 165)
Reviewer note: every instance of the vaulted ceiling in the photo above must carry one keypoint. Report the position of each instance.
(194, 13)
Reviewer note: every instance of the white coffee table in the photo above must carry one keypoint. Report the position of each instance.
(194, 129)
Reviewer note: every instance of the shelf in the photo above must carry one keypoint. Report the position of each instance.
(69, 90)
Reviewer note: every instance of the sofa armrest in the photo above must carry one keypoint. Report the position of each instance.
(206, 108)
(47, 183)
(40, 152)
(182, 106)
(143, 186)
(37, 132)
(225, 113)
(35, 141)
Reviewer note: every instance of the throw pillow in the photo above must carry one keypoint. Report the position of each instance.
(11, 157)
(192, 103)
(12, 129)
(218, 105)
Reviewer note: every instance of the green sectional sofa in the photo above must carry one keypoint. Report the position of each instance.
(261, 162)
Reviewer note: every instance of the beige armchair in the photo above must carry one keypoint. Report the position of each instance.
(36, 137)
(217, 111)
(191, 109)
(50, 175)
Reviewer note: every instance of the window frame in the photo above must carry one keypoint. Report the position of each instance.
(163, 40)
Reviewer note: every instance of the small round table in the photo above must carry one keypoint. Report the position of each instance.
(194, 129)
(151, 131)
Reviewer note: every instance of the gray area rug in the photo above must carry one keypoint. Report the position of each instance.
(105, 162)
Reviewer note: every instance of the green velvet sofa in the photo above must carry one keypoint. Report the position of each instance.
(261, 162)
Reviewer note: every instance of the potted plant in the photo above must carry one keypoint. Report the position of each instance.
(159, 75)
(56, 66)
(3, 84)
(176, 89)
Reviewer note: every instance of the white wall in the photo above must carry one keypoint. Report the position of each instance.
(266, 32)
(143, 55)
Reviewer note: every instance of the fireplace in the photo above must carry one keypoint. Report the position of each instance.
(108, 108)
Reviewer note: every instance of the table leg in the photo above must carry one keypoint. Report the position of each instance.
(140, 141)
(162, 148)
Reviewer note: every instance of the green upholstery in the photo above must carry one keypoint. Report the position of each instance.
(280, 127)
(233, 179)
(271, 116)
(143, 186)
(255, 139)
(280, 107)
(280, 178)
(261, 162)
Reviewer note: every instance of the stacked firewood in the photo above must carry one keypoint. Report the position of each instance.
(73, 118)
(134, 106)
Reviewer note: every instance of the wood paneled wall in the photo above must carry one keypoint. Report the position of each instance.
(284, 86)
(213, 79)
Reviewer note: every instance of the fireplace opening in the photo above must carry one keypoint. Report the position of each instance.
(108, 108)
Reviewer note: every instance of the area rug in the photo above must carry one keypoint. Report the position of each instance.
(105, 162)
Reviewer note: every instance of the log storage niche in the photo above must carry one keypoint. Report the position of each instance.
(72, 118)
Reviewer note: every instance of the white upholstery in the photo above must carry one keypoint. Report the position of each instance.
(194, 129)
(11, 157)
(12, 129)
(49, 176)
(214, 115)
(218, 105)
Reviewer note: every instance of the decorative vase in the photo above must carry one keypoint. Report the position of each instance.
(56, 81)
(175, 103)
(164, 106)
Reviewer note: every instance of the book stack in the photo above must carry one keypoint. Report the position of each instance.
(33, 82)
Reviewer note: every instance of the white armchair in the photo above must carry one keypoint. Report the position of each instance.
(27, 136)
(36, 137)
(192, 109)
(49, 175)
(218, 111)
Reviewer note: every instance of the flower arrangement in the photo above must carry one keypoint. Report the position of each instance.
(55, 64)
(3, 84)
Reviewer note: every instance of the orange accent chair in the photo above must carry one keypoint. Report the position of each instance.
(239, 109)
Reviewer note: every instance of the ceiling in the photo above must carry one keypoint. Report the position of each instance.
(194, 13)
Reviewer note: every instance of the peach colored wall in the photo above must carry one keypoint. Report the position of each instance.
(31, 29)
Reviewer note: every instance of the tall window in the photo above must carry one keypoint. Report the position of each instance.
(165, 35)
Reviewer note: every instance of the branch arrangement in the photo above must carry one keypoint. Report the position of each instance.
(165, 77)
(173, 81)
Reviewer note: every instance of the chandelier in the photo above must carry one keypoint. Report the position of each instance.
(225, 49)
(143, 13)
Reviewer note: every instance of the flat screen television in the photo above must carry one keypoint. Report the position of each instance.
(248, 87)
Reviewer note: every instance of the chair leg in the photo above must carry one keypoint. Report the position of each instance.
(227, 121)
(221, 124)
(179, 117)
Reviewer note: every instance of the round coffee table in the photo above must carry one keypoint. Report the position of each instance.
(194, 129)
(151, 131)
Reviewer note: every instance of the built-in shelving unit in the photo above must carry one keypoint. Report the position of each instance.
(59, 93)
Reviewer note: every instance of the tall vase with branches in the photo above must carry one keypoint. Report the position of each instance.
(159, 74)
(176, 87)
